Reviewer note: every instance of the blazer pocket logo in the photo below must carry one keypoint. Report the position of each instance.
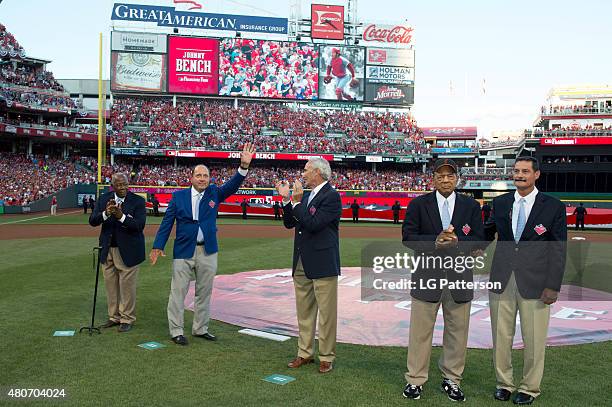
(313, 210)
(466, 229)
(211, 203)
(540, 229)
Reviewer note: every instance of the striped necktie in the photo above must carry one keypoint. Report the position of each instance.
(196, 216)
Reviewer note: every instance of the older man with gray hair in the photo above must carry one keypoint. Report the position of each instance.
(316, 260)
(122, 215)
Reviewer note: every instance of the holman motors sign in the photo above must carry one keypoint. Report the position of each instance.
(170, 17)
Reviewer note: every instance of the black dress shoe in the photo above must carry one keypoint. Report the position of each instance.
(502, 394)
(124, 327)
(523, 399)
(110, 323)
(208, 336)
(180, 340)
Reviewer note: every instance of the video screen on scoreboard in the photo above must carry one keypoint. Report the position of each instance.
(336, 68)
(193, 65)
(268, 69)
(132, 71)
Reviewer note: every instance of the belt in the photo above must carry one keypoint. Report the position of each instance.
(199, 243)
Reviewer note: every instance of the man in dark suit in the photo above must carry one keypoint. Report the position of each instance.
(244, 205)
(527, 268)
(195, 248)
(355, 209)
(440, 224)
(155, 203)
(316, 260)
(396, 211)
(92, 202)
(486, 212)
(85, 204)
(580, 213)
(277, 209)
(122, 215)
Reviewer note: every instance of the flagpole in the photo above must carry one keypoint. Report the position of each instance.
(100, 113)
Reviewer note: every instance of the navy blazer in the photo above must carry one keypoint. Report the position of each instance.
(129, 234)
(538, 259)
(316, 232)
(421, 227)
(179, 210)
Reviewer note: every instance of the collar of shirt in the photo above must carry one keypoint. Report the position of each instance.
(529, 199)
(118, 200)
(195, 193)
(315, 191)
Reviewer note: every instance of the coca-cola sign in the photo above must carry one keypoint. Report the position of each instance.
(388, 34)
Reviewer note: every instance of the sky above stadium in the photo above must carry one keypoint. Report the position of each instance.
(485, 63)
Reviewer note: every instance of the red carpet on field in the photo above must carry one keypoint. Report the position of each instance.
(264, 300)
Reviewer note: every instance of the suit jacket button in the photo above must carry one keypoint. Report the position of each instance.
(299, 233)
(516, 249)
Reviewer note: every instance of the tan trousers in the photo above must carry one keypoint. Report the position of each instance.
(534, 316)
(312, 296)
(202, 267)
(120, 282)
(454, 341)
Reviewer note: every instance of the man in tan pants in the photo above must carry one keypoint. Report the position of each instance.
(122, 215)
(429, 230)
(316, 260)
(528, 267)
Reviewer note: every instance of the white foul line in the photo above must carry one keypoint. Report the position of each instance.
(38, 217)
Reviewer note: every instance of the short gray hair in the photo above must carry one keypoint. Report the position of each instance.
(118, 175)
(322, 165)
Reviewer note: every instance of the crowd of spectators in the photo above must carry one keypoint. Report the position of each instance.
(8, 44)
(271, 69)
(571, 131)
(24, 179)
(265, 176)
(219, 125)
(30, 76)
(574, 109)
(36, 99)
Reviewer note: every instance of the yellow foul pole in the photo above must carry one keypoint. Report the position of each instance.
(100, 115)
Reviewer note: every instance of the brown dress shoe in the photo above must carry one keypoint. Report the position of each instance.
(299, 361)
(325, 367)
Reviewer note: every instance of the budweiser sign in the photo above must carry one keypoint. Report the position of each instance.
(398, 34)
(389, 92)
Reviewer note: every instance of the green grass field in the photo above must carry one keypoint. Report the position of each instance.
(79, 218)
(47, 285)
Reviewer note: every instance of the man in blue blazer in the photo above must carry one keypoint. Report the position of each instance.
(316, 260)
(195, 249)
(122, 215)
(528, 267)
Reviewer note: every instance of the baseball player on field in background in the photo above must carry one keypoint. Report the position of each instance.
(338, 68)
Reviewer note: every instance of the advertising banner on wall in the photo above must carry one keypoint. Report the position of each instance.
(390, 74)
(390, 94)
(336, 67)
(193, 65)
(397, 35)
(390, 57)
(171, 17)
(327, 22)
(268, 69)
(138, 42)
(138, 72)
